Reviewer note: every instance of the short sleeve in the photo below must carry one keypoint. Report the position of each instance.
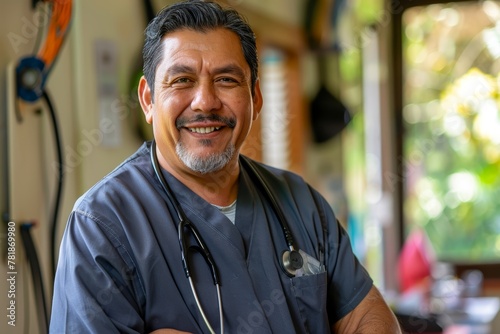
(349, 282)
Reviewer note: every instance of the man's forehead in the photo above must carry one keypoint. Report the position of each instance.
(220, 48)
(188, 37)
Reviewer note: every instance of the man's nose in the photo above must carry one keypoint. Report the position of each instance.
(205, 98)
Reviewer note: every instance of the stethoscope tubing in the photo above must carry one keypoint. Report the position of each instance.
(200, 308)
(185, 223)
(203, 250)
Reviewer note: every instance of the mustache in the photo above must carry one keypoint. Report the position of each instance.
(230, 122)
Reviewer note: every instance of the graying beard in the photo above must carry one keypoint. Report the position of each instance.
(212, 163)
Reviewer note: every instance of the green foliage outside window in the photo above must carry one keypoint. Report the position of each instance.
(452, 122)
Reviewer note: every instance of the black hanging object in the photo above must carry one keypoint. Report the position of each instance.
(329, 116)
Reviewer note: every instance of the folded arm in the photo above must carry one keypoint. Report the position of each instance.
(372, 315)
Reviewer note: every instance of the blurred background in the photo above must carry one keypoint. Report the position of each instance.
(390, 108)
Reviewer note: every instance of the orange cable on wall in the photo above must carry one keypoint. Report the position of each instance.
(56, 32)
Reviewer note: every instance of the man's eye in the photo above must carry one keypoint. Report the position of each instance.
(182, 80)
(227, 80)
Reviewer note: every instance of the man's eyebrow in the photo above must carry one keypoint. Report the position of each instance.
(179, 68)
(227, 69)
(230, 69)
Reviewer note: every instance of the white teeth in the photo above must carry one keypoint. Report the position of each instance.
(204, 130)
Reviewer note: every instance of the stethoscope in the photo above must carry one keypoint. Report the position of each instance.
(291, 260)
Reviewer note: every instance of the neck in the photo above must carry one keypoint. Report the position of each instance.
(219, 188)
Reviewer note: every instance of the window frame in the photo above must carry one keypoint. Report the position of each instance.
(491, 271)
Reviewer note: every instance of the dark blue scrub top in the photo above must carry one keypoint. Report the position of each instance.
(120, 268)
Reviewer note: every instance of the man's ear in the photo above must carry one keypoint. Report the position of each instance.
(145, 99)
(257, 100)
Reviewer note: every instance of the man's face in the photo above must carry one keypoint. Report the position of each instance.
(203, 106)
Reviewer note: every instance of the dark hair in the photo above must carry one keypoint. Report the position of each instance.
(197, 15)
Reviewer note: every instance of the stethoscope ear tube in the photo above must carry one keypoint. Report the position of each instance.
(291, 260)
(201, 246)
(203, 250)
(182, 242)
(277, 209)
(164, 184)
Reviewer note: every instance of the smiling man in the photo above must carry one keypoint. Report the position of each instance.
(202, 108)
(188, 235)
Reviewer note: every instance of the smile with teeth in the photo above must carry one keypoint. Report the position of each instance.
(207, 129)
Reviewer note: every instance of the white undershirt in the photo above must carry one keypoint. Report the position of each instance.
(229, 211)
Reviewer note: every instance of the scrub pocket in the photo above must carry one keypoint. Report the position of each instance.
(310, 294)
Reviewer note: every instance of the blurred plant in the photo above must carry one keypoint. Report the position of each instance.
(452, 144)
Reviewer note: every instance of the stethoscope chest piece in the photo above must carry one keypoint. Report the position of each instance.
(291, 261)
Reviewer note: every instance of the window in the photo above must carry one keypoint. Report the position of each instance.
(451, 120)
